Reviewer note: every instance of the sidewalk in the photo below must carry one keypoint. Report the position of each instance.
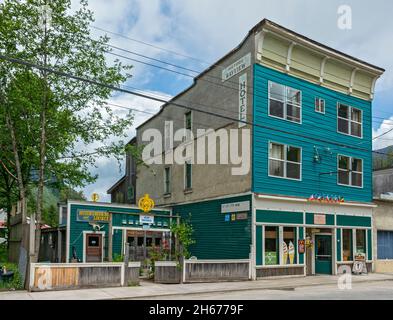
(149, 289)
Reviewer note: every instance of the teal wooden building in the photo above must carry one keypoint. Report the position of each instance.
(305, 205)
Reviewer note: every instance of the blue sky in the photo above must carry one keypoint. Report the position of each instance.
(206, 30)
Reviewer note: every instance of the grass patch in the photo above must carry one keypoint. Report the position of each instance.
(16, 282)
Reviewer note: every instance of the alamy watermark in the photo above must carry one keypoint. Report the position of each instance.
(233, 147)
(344, 21)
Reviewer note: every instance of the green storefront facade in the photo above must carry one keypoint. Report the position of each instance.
(87, 227)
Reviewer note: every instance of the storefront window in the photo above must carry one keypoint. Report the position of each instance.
(360, 241)
(347, 244)
(271, 245)
(289, 249)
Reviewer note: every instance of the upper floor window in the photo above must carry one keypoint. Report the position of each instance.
(188, 124)
(350, 171)
(168, 142)
(285, 161)
(319, 105)
(285, 102)
(167, 180)
(187, 175)
(349, 120)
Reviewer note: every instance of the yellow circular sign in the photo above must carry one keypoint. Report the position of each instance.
(95, 197)
(145, 203)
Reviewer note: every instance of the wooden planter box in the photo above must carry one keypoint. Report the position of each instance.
(167, 272)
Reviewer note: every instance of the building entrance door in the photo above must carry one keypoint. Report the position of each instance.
(323, 254)
(93, 247)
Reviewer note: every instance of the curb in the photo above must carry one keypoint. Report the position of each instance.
(284, 288)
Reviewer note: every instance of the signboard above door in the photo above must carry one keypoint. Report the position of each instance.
(320, 219)
(92, 216)
(146, 219)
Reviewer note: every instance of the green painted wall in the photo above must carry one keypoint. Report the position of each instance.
(215, 238)
(301, 237)
(369, 245)
(279, 217)
(259, 251)
(353, 221)
(338, 244)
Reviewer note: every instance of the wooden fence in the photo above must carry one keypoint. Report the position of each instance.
(216, 270)
(60, 276)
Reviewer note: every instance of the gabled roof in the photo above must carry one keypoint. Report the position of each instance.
(119, 182)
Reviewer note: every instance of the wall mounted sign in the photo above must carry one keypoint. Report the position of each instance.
(91, 216)
(146, 219)
(236, 67)
(241, 216)
(242, 99)
(301, 244)
(233, 217)
(227, 217)
(326, 198)
(319, 219)
(235, 207)
(146, 204)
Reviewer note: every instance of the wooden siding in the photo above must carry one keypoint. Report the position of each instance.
(122, 214)
(314, 126)
(279, 217)
(215, 238)
(279, 271)
(215, 271)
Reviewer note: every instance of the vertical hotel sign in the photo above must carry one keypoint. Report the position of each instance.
(242, 99)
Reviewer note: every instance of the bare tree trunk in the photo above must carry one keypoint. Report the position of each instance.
(21, 185)
(40, 191)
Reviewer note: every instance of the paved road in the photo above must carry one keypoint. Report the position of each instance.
(381, 290)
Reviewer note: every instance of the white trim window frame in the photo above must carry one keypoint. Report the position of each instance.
(320, 105)
(285, 161)
(286, 102)
(350, 171)
(167, 180)
(350, 121)
(188, 162)
(186, 127)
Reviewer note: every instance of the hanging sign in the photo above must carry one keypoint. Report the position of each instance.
(242, 99)
(301, 246)
(146, 219)
(236, 67)
(146, 204)
(235, 207)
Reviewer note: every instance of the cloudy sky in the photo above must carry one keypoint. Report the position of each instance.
(201, 31)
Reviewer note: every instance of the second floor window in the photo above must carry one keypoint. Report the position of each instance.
(188, 124)
(167, 180)
(285, 161)
(319, 105)
(349, 120)
(187, 175)
(350, 171)
(285, 102)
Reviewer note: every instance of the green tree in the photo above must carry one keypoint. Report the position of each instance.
(63, 115)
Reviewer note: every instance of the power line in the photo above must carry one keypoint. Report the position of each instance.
(146, 96)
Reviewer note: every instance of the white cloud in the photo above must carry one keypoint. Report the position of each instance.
(385, 140)
(207, 29)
